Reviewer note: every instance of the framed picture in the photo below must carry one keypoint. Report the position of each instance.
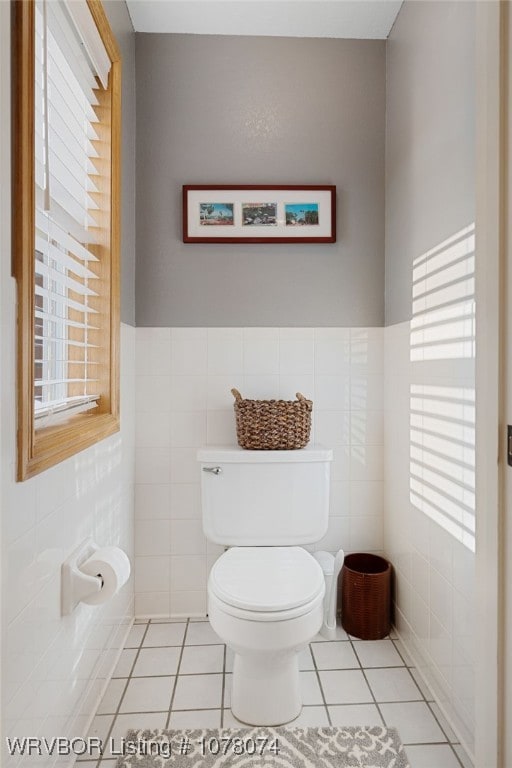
(259, 214)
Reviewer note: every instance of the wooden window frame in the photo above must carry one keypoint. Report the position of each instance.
(40, 449)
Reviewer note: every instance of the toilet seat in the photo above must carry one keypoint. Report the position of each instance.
(267, 583)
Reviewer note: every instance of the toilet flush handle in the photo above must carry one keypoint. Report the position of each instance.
(213, 470)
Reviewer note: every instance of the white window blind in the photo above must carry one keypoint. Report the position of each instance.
(69, 53)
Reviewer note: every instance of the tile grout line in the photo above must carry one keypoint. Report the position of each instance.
(216, 709)
(444, 732)
(368, 683)
(223, 688)
(333, 704)
(421, 684)
(456, 755)
(423, 697)
(329, 722)
(128, 679)
(213, 645)
(397, 649)
(182, 674)
(169, 645)
(177, 675)
(426, 743)
(145, 712)
(311, 669)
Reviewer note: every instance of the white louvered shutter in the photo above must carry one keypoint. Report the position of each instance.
(71, 66)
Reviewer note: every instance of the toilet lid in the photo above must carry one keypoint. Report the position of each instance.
(266, 578)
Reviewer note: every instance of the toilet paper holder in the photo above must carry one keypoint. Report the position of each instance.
(76, 585)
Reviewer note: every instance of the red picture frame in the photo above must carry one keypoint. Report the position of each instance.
(259, 213)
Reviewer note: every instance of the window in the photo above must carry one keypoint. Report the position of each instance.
(66, 200)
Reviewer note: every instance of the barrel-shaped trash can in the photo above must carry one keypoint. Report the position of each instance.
(366, 596)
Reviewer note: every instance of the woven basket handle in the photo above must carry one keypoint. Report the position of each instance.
(307, 404)
(236, 394)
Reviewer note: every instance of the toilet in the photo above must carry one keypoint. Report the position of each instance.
(266, 592)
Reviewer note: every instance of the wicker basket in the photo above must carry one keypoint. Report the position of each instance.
(270, 425)
(366, 596)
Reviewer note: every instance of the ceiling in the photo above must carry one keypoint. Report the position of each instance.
(284, 18)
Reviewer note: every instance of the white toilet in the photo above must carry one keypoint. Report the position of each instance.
(265, 593)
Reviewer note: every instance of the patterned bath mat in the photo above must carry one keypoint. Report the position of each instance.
(262, 747)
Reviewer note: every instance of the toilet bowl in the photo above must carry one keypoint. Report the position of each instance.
(266, 592)
(266, 603)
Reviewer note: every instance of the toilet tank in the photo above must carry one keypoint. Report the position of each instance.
(265, 498)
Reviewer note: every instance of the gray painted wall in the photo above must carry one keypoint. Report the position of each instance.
(430, 137)
(251, 110)
(121, 24)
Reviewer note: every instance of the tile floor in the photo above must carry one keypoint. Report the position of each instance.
(177, 674)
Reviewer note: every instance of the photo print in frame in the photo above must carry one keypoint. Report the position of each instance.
(259, 214)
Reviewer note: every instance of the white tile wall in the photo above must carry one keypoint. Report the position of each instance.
(435, 579)
(54, 668)
(183, 397)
